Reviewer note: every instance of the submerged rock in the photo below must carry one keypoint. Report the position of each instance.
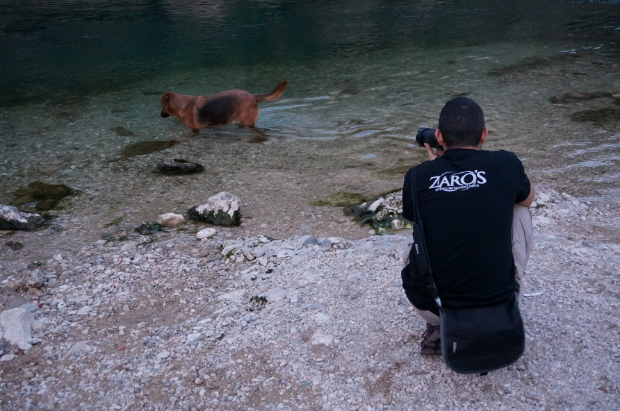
(599, 117)
(14, 245)
(46, 195)
(575, 97)
(13, 219)
(122, 131)
(221, 209)
(149, 227)
(383, 214)
(257, 139)
(171, 220)
(146, 147)
(179, 166)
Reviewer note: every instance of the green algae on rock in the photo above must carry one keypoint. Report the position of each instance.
(122, 131)
(528, 64)
(46, 195)
(258, 139)
(599, 116)
(340, 199)
(575, 97)
(141, 148)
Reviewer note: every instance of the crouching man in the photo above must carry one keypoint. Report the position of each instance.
(477, 226)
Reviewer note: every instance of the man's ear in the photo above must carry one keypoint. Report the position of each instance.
(439, 138)
(485, 134)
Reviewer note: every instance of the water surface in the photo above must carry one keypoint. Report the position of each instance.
(82, 80)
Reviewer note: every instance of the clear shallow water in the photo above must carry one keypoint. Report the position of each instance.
(363, 76)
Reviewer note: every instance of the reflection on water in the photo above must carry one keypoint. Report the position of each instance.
(82, 80)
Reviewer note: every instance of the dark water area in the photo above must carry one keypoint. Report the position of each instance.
(82, 80)
(52, 49)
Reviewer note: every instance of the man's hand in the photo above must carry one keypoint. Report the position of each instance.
(432, 154)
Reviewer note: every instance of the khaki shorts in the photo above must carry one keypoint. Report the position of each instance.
(521, 250)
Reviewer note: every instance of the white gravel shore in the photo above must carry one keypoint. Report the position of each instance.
(259, 324)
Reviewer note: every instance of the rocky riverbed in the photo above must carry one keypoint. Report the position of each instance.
(169, 321)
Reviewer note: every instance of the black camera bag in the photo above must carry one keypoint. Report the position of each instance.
(473, 340)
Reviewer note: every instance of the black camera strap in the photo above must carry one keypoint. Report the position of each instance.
(418, 248)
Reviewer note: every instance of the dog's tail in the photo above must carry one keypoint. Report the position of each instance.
(274, 94)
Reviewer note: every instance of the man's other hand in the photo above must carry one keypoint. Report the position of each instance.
(432, 154)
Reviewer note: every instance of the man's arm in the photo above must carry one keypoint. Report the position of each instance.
(408, 211)
(530, 198)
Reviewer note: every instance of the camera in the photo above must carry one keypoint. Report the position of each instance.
(427, 135)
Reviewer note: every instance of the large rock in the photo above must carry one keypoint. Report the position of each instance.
(15, 327)
(171, 220)
(221, 209)
(13, 219)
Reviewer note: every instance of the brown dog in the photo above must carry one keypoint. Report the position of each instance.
(232, 106)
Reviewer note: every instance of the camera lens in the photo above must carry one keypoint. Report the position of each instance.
(427, 135)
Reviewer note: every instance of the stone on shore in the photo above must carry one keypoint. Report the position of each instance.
(206, 233)
(221, 209)
(171, 220)
(15, 327)
(13, 219)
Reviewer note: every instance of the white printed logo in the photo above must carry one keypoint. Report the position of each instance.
(450, 181)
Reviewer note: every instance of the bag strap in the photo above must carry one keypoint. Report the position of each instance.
(428, 275)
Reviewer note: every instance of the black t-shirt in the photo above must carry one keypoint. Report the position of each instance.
(466, 200)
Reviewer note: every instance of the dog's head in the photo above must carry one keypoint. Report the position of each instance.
(167, 104)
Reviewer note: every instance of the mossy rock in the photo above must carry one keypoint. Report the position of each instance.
(599, 117)
(220, 218)
(146, 147)
(47, 194)
(340, 199)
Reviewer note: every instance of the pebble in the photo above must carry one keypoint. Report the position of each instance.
(206, 233)
(7, 357)
(170, 220)
(163, 355)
